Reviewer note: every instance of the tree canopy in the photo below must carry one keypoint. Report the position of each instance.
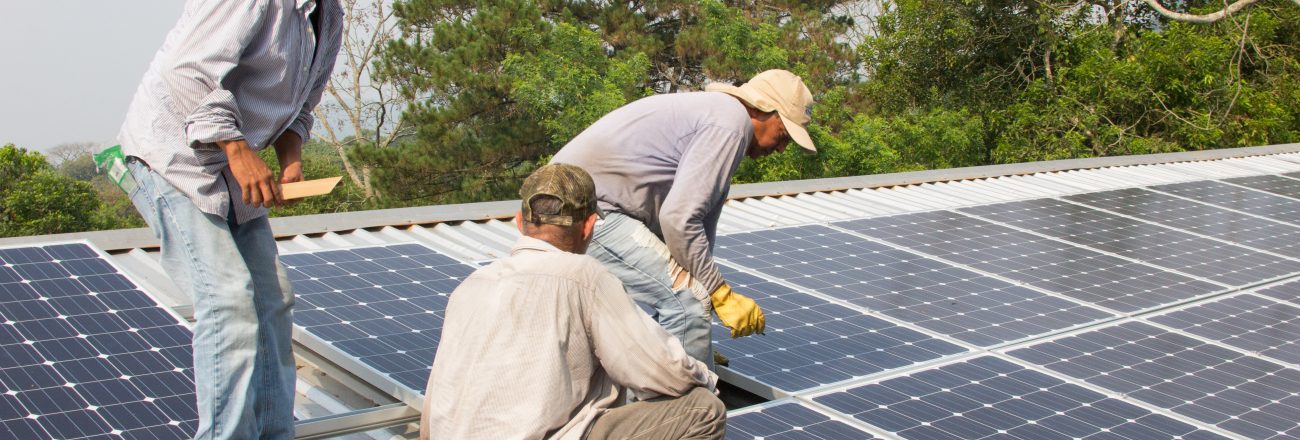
(35, 199)
(918, 84)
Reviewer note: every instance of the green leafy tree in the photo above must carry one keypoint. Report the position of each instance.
(48, 203)
(35, 199)
(1061, 80)
(572, 83)
(471, 136)
(499, 86)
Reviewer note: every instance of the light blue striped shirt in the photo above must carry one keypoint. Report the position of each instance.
(229, 70)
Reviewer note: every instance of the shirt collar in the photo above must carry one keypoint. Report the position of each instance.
(530, 244)
(303, 5)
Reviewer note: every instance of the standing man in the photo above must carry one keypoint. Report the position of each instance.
(544, 343)
(662, 167)
(232, 78)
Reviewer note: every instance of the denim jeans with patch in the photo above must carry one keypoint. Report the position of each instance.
(243, 362)
(641, 260)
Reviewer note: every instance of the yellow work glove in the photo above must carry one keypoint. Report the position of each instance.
(737, 312)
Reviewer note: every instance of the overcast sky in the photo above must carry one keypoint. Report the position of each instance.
(71, 66)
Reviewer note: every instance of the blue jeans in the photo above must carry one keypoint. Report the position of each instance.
(243, 362)
(641, 260)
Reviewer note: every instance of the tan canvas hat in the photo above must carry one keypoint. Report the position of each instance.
(780, 91)
(568, 183)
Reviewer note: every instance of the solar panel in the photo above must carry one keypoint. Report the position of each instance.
(1247, 322)
(1158, 245)
(1234, 197)
(1073, 271)
(1285, 292)
(1223, 224)
(1275, 184)
(85, 354)
(957, 302)
(382, 306)
(989, 397)
(1240, 393)
(790, 419)
(810, 341)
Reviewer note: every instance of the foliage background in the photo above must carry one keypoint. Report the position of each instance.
(496, 87)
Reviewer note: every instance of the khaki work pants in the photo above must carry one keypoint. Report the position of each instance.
(697, 415)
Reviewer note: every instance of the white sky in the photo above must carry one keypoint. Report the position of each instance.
(71, 66)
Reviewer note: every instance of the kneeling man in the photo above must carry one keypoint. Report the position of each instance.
(545, 343)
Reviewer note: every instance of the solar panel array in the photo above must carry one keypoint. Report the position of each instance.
(1237, 198)
(988, 397)
(1112, 314)
(85, 354)
(811, 342)
(1224, 224)
(1147, 242)
(381, 306)
(1084, 274)
(1207, 382)
(1249, 322)
(971, 307)
(790, 419)
(1110, 261)
(1279, 185)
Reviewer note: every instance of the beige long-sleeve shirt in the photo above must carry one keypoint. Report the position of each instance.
(538, 344)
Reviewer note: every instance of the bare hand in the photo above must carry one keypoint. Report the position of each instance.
(256, 183)
(288, 174)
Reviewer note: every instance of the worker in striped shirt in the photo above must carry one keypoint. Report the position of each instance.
(231, 78)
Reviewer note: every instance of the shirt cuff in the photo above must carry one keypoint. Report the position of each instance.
(302, 126)
(215, 120)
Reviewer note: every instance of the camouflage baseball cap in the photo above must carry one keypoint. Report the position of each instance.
(568, 183)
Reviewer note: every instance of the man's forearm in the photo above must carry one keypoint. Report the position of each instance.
(288, 148)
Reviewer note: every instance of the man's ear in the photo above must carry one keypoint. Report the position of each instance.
(519, 221)
(588, 227)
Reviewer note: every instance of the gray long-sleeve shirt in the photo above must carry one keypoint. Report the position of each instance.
(667, 160)
(540, 343)
(230, 70)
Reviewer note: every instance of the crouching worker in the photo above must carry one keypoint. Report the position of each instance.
(545, 343)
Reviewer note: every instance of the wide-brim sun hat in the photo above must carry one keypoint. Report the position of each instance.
(779, 91)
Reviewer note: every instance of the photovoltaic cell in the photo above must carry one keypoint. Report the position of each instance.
(988, 397)
(1247, 322)
(790, 420)
(1280, 208)
(1243, 394)
(1223, 224)
(810, 341)
(963, 304)
(1073, 271)
(383, 305)
(1151, 243)
(85, 354)
(1271, 183)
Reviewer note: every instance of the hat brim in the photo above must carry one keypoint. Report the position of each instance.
(798, 134)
